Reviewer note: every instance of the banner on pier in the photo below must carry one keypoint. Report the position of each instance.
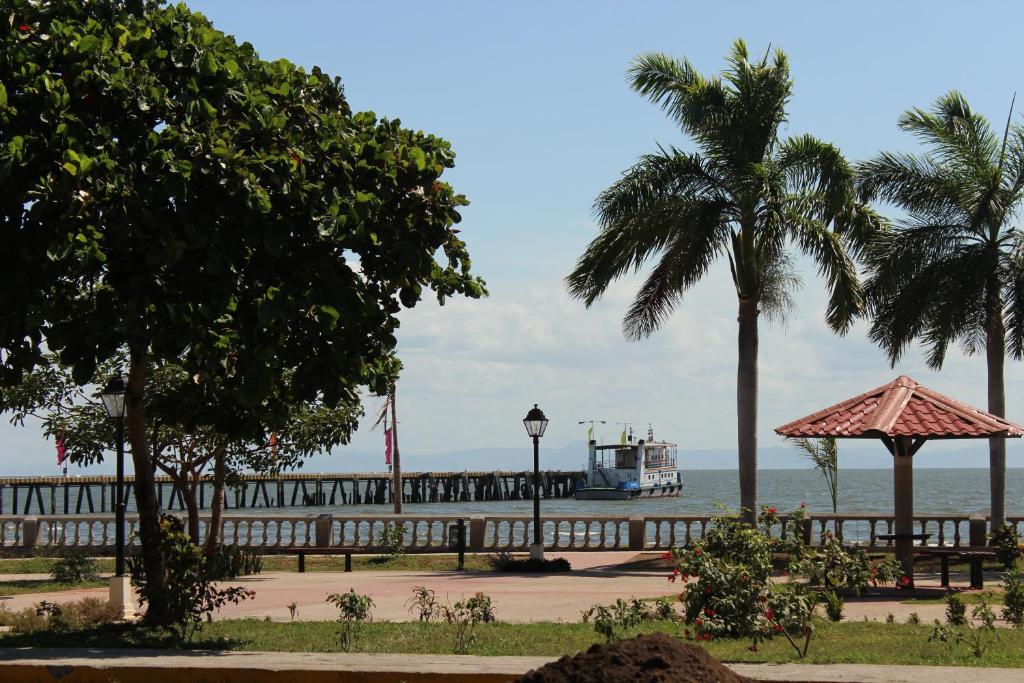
(387, 446)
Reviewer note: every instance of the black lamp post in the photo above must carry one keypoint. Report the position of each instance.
(536, 423)
(113, 402)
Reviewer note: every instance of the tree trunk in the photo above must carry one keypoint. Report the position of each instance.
(145, 493)
(213, 532)
(746, 409)
(396, 470)
(995, 351)
(188, 494)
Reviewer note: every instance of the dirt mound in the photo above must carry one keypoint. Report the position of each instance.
(655, 658)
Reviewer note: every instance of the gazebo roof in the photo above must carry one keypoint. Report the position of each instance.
(901, 408)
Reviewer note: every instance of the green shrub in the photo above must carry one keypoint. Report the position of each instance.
(1013, 598)
(836, 566)
(355, 611)
(230, 561)
(66, 616)
(833, 605)
(75, 567)
(465, 615)
(978, 637)
(424, 603)
(392, 537)
(956, 610)
(913, 619)
(1006, 542)
(190, 593)
(507, 562)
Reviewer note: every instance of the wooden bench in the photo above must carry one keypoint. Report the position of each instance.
(301, 552)
(976, 555)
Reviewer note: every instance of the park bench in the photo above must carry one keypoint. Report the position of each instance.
(301, 553)
(975, 555)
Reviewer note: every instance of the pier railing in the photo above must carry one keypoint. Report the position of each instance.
(484, 533)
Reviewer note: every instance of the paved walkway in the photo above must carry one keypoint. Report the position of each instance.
(597, 578)
(159, 666)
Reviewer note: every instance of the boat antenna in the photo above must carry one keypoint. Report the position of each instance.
(625, 426)
(590, 432)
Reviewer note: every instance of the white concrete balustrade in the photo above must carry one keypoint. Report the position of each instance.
(484, 533)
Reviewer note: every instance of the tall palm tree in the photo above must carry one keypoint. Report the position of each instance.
(744, 194)
(952, 269)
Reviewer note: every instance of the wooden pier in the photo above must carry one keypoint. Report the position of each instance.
(95, 494)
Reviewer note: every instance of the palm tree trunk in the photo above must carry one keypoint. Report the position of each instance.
(746, 409)
(995, 350)
(220, 471)
(145, 493)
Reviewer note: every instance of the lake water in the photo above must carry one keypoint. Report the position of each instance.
(939, 491)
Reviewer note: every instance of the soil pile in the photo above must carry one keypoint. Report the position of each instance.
(655, 658)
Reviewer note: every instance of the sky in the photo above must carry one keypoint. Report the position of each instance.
(534, 99)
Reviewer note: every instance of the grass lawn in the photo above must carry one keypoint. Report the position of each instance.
(44, 586)
(969, 598)
(852, 642)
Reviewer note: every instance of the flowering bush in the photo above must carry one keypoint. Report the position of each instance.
(836, 566)
(731, 566)
(791, 530)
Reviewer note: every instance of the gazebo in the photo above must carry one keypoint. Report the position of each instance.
(903, 414)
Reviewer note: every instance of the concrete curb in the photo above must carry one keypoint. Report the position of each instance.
(36, 665)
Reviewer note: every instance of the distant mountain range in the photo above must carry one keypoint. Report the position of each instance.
(571, 456)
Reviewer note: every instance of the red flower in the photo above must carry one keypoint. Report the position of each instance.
(667, 556)
(772, 511)
(753, 648)
(682, 597)
(904, 581)
(778, 629)
(697, 551)
(708, 590)
(770, 614)
(708, 612)
(744, 578)
(672, 577)
(707, 636)
(698, 621)
(24, 27)
(803, 504)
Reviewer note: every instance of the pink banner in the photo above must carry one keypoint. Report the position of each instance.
(387, 446)
(62, 453)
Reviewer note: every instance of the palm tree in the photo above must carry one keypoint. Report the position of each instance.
(744, 194)
(824, 455)
(951, 270)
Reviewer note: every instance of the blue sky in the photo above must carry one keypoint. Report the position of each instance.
(534, 99)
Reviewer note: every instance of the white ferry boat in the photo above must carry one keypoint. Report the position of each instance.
(631, 470)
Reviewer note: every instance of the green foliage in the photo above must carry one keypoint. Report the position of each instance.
(914, 619)
(424, 603)
(956, 610)
(230, 561)
(355, 611)
(293, 610)
(824, 455)
(464, 617)
(507, 562)
(1007, 544)
(190, 592)
(392, 538)
(1013, 598)
(833, 605)
(979, 635)
(89, 612)
(612, 622)
(846, 568)
(75, 567)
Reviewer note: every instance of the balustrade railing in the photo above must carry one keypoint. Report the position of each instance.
(484, 533)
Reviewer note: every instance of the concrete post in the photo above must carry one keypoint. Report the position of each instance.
(476, 533)
(30, 532)
(976, 525)
(324, 531)
(637, 532)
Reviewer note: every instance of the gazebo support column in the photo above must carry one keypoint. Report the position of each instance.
(903, 493)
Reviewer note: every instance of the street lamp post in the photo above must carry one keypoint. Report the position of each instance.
(536, 423)
(113, 402)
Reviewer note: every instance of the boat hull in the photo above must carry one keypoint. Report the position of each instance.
(600, 493)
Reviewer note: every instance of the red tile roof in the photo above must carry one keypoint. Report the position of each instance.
(901, 408)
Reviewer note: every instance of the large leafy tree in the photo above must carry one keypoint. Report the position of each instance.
(952, 269)
(744, 194)
(164, 190)
(188, 454)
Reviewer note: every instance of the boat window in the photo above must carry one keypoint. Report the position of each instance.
(625, 458)
(660, 455)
